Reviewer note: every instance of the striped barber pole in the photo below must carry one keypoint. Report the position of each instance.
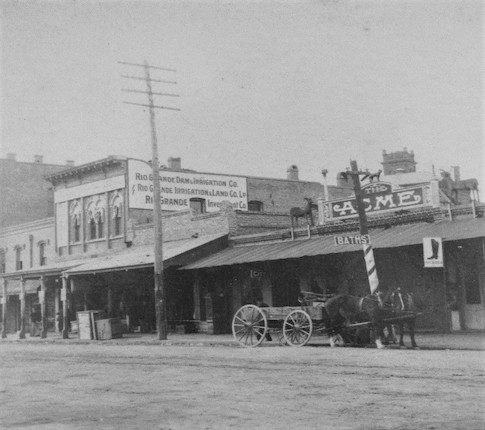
(371, 267)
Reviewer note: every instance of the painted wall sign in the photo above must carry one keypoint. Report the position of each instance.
(380, 197)
(433, 251)
(177, 188)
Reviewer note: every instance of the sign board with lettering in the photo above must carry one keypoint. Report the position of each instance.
(177, 188)
(356, 239)
(433, 251)
(379, 197)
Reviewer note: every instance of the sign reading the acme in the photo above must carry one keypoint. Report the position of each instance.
(178, 188)
(380, 197)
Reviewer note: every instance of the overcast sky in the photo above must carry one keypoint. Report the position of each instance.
(262, 84)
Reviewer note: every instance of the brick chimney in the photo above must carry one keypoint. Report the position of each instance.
(292, 173)
(70, 163)
(456, 173)
(175, 163)
(38, 159)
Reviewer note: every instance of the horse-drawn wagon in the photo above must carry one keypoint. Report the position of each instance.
(341, 318)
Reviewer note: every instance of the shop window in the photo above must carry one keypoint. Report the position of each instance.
(198, 206)
(472, 287)
(18, 258)
(42, 257)
(255, 206)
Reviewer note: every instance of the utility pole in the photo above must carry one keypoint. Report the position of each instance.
(367, 248)
(159, 286)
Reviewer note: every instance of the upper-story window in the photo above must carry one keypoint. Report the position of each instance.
(116, 209)
(2, 261)
(75, 224)
(197, 205)
(42, 256)
(95, 215)
(18, 258)
(255, 206)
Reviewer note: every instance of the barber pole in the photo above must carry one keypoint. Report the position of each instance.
(367, 247)
(370, 264)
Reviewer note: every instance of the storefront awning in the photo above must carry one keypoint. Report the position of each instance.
(143, 256)
(392, 237)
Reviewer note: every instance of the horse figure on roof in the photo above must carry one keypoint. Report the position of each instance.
(345, 309)
(306, 212)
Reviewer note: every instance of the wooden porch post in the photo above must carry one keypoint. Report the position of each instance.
(21, 332)
(197, 296)
(43, 307)
(4, 308)
(65, 325)
(57, 309)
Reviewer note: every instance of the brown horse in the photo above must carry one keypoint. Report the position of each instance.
(344, 309)
(404, 310)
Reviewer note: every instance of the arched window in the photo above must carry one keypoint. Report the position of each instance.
(255, 206)
(42, 257)
(197, 205)
(95, 216)
(2, 261)
(116, 211)
(18, 258)
(75, 221)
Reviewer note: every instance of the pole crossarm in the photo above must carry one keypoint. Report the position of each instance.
(146, 66)
(151, 106)
(139, 78)
(146, 92)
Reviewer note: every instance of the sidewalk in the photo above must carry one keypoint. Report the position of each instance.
(453, 341)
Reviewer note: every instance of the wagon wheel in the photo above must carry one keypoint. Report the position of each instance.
(249, 326)
(297, 328)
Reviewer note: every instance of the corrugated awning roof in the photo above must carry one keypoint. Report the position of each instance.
(393, 237)
(54, 269)
(140, 256)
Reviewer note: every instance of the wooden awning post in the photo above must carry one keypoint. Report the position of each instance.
(4, 308)
(43, 308)
(197, 296)
(21, 332)
(65, 316)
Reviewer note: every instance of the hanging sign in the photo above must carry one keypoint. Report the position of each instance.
(357, 239)
(433, 251)
(41, 296)
(63, 294)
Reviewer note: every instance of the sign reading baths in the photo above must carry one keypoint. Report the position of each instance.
(380, 196)
(178, 188)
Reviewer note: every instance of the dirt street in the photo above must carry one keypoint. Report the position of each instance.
(106, 386)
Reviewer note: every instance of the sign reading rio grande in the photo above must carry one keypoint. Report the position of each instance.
(379, 197)
(177, 188)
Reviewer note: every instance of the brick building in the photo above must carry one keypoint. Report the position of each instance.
(24, 192)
